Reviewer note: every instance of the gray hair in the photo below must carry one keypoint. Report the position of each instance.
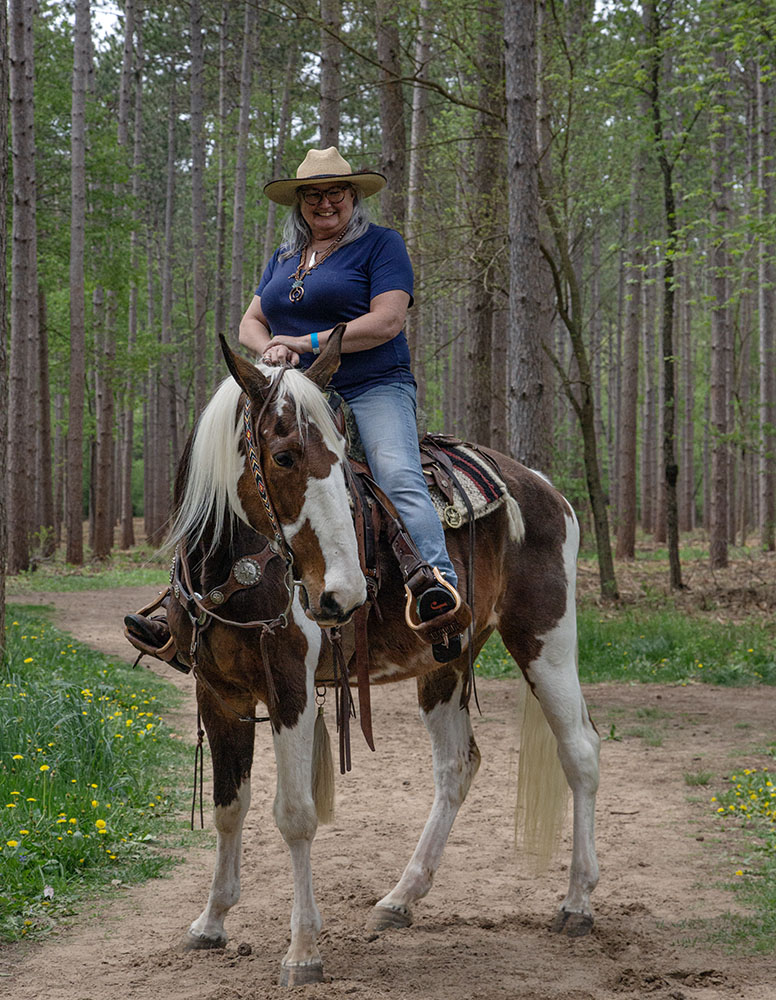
(296, 233)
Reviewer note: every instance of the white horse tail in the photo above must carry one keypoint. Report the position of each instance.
(542, 789)
(323, 771)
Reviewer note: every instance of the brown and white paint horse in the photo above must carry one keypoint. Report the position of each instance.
(525, 589)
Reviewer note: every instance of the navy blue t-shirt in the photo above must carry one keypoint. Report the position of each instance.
(340, 290)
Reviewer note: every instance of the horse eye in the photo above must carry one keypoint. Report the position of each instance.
(284, 459)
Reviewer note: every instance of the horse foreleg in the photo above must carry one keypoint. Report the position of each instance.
(297, 822)
(456, 760)
(231, 747)
(296, 819)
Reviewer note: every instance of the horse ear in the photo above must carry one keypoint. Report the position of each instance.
(324, 366)
(247, 376)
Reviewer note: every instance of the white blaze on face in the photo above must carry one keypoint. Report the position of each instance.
(327, 510)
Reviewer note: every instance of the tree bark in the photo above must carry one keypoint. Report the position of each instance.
(280, 150)
(24, 288)
(331, 17)
(44, 491)
(529, 398)
(393, 139)
(720, 334)
(766, 472)
(75, 426)
(670, 464)
(237, 290)
(487, 198)
(4, 165)
(629, 376)
(198, 208)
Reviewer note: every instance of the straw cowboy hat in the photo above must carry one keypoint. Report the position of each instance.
(319, 165)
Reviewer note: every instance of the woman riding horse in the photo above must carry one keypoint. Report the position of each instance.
(334, 266)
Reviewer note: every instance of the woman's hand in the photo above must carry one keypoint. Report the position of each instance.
(279, 353)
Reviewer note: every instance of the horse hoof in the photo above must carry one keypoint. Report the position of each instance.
(572, 924)
(386, 918)
(301, 974)
(193, 942)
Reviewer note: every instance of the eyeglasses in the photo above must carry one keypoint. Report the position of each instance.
(333, 195)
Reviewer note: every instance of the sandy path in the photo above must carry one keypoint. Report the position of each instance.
(482, 932)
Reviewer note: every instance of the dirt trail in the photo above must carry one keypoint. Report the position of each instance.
(483, 930)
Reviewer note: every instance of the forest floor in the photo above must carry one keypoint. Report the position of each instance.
(483, 932)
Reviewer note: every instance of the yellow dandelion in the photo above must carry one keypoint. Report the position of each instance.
(12, 843)
(45, 767)
(17, 756)
(28, 660)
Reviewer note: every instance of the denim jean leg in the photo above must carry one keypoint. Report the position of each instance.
(385, 415)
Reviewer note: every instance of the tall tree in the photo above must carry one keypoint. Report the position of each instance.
(24, 287)
(720, 322)
(767, 310)
(486, 199)
(529, 398)
(76, 393)
(237, 287)
(4, 98)
(198, 206)
(331, 18)
(394, 144)
(666, 163)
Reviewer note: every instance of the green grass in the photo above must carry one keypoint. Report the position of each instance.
(137, 568)
(658, 646)
(749, 801)
(89, 793)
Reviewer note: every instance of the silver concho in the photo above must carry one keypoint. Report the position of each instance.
(217, 596)
(453, 517)
(246, 571)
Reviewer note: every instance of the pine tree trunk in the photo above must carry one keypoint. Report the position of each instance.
(280, 151)
(44, 490)
(237, 289)
(629, 376)
(198, 208)
(75, 427)
(720, 337)
(416, 328)
(488, 151)
(331, 16)
(24, 288)
(767, 315)
(529, 400)
(393, 139)
(4, 165)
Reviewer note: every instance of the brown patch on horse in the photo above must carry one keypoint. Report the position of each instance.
(538, 595)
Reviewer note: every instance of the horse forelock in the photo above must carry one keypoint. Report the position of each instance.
(216, 461)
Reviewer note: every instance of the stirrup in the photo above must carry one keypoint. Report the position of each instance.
(168, 651)
(442, 615)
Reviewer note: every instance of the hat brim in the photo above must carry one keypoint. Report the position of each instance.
(283, 191)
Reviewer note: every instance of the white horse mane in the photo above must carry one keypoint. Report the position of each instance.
(215, 461)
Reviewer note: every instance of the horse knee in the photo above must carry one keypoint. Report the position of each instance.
(295, 820)
(229, 818)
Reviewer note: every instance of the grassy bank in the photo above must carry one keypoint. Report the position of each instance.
(87, 775)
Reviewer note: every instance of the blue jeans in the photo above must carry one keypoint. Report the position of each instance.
(386, 421)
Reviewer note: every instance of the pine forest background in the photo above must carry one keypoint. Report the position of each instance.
(586, 190)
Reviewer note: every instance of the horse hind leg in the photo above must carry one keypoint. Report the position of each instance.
(456, 760)
(554, 682)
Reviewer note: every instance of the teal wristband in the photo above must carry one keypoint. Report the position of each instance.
(314, 341)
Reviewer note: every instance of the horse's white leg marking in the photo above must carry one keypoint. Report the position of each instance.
(556, 685)
(225, 887)
(456, 760)
(297, 821)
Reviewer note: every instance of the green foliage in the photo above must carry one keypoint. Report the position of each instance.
(89, 775)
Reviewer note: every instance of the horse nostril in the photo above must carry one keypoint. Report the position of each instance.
(329, 605)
